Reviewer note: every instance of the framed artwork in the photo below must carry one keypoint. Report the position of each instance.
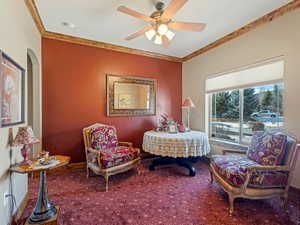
(12, 91)
(172, 128)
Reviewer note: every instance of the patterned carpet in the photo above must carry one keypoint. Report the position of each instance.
(165, 196)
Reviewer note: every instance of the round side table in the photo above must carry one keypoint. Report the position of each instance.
(44, 210)
(180, 148)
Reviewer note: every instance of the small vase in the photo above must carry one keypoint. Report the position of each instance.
(181, 128)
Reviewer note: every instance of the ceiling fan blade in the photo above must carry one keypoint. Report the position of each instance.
(165, 41)
(134, 13)
(172, 8)
(197, 27)
(135, 35)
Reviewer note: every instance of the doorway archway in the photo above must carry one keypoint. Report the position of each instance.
(34, 100)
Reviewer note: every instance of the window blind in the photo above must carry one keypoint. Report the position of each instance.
(255, 75)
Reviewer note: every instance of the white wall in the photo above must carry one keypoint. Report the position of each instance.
(279, 37)
(17, 34)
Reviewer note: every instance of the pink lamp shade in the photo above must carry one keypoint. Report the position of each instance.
(25, 136)
(188, 103)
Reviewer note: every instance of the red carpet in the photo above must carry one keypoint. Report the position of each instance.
(165, 196)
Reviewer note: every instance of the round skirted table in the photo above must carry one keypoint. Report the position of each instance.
(179, 148)
(44, 211)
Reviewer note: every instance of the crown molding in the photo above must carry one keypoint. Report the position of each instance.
(98, 44)
(52, 35)
(35, 15)
(251, 26)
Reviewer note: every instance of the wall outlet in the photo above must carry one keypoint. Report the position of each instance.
(6, 198)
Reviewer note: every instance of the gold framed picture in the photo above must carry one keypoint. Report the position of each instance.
(12, 92)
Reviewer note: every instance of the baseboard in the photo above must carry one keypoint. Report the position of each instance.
(295, 190)
(80, 166)
(19, 212)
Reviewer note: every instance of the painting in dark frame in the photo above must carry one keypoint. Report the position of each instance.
(12, 92)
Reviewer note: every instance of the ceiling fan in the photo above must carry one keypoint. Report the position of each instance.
(161, 22)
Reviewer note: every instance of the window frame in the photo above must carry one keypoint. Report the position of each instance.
(209, 102)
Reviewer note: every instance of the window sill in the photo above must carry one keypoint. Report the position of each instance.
(228, 144)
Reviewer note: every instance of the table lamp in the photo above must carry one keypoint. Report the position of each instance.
(25, 137)
(188, 103)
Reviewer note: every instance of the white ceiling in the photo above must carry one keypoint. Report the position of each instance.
(99, 20)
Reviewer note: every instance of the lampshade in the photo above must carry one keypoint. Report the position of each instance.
(170, 35)
(150, 34)
(188, 103)
(25, 136)
(162, 29)
(158, 40)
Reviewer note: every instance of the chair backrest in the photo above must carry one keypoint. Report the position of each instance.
(290, 151)
(87, 136)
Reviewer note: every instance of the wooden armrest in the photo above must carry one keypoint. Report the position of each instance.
(129, 144)
(124, 143)
(138, 150)
(253, 169)
(225, 151)
(97, 152)
(93, 150)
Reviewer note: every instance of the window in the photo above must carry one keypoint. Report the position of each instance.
(235, 114)
(245, 102)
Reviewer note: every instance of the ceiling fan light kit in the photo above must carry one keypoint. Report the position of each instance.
(170, 35)
(162, 29)
(158, 33)
(150, 34)
(158, 40)
(161, 22)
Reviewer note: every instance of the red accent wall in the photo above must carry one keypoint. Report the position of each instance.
(74, 93)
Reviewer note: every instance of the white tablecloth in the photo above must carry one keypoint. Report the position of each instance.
(193, 143)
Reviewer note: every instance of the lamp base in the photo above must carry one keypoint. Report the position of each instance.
(25, 151)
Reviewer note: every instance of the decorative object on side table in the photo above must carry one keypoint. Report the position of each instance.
(188, 103)
(167, 124)
(25, 137)
(44, 211)
(44, 158)
(163, 123)
(12, 92)
(172, 127)
(181, 127)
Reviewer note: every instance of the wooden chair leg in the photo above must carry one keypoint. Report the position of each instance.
(87, 172)
(285, 201)
(106, 177)
(138, 167)
(231, 204)
(211, 176)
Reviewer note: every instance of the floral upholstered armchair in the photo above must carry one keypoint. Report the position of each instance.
(105, 155)
(264, 171)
